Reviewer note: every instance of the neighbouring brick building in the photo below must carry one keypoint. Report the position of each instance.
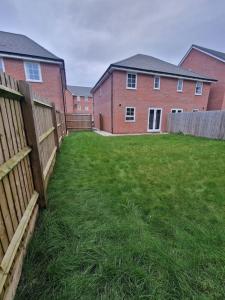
(24, 59)
(79, 99)
(136, 94)
(210, 63)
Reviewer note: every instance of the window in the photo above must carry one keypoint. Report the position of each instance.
(195, 110)
(130, 114)
(86, 107)
(33, 71)
(78, 98)
(78, 107)
(131, 81)
(2, 67)
(176, 110)
(198, 88)
(179, 85)
(156, 83)
(86, 98)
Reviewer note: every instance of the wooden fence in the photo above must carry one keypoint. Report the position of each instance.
(78, 122)
(210, 124)
(30, 135)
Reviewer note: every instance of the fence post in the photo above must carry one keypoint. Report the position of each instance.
(27, 106)
(54, 121)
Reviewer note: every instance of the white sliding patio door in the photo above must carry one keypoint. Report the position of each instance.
(154, 119)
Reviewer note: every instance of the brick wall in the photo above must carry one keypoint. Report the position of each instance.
(50, 88)
(143, 98)
(102, 104)
(206, 65)
(72, 104)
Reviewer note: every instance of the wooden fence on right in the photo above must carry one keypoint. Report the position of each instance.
(78, 122)
(210, 124)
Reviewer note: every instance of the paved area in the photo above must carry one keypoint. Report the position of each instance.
(105, 133)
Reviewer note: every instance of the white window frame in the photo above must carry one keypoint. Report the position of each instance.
(86, 98)
(27, 73)
(2, 64)
(180, 90)
(78, 98)
(86, 108)
(79, 107)
(198, 94)
(176, 110)
(131, 88)
(156, 88)
(195, 110)
(130, 121)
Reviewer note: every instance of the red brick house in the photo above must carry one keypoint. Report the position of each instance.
(136, 94)
(24, 59)
(79, 99)
(210, 63)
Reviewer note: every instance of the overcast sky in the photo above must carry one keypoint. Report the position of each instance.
(91, 34)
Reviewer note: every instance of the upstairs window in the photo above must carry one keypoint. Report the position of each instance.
(156, 83)
(2, 67)
(78, 98)
(131, 81)
(130, 114)
(33, 71)
(86, 108)
(198, 88)
(179, 85)
(86, 98)
(176, 110)
(78, 107)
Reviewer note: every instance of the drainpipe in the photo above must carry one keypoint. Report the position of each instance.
(112, 102)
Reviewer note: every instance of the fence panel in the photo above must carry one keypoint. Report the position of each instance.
(78, 122)
(28, 144)
(210, 124)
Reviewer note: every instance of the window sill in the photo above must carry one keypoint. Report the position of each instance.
(127, 121)
(38, 81)
(129, 88)
(156, 89)
(198, 94)
(179, 91)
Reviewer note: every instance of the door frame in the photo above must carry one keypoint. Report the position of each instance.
(154, 130)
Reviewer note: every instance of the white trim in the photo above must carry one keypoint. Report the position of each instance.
(130, 121)
(198, 94)
(200, 50)
(26, 58)
(2, 63)
(154, 130)
(86, 108)
(27, 75)
(78, 98)
(177, 110)
(154, 88)
(131, 88)
(180, 91)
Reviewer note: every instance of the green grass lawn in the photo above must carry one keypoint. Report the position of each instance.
(139, 217)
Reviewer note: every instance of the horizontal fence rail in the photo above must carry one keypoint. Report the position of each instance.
(78, 122)
(30, 134)
(210, 124)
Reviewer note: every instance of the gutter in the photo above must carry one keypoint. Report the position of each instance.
(112, 67)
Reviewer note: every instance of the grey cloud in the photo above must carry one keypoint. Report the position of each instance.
(91, 34)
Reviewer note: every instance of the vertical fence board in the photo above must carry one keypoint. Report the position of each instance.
(210, 124)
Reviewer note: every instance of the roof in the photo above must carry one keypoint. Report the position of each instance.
(80, 90)
(18, 44)
(149, 64)
(217, 54)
